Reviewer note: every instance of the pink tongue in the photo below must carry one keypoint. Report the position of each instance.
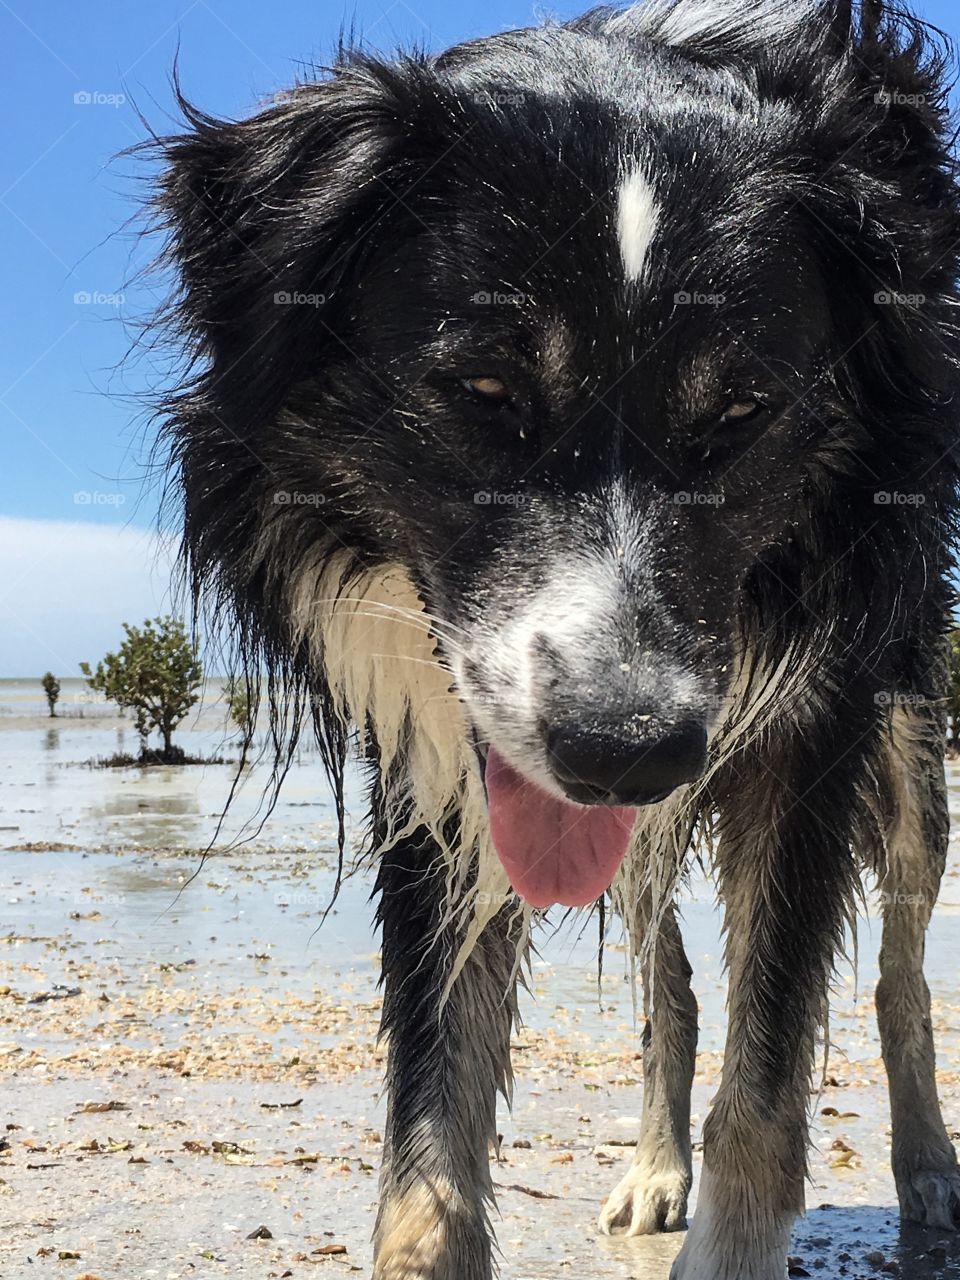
(553, 850)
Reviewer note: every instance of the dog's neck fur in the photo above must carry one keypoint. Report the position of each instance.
(371, 635)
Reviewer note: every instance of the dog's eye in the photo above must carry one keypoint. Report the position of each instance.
(742, 410)
(487, 388)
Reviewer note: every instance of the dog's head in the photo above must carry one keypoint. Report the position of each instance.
(608, 333)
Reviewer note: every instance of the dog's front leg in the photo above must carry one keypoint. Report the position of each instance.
(652, 1195)
(447, 1059)
(786, 876)
(912, 861)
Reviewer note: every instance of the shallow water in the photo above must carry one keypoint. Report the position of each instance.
(226, 959)
(117, 816)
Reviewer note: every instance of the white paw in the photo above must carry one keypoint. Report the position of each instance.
(693, 1265)
(700, 1262)
(643, 1203)
(723, 1244)
(932, 1198)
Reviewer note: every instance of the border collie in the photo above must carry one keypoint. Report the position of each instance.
(570, 428)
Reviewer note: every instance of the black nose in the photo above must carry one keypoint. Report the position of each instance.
(604, 766)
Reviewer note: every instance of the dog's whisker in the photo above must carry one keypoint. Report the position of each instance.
(381, 613)
(428, 620)
(375, 615)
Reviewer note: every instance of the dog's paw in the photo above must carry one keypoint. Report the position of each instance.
(644, 1203)
(931, 1197)
(694, 1264)
(721, 1246)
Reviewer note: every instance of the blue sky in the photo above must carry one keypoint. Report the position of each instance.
(73, 446)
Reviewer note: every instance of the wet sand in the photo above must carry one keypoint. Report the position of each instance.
(185, 1058)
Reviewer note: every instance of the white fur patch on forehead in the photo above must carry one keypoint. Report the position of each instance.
(638, 217)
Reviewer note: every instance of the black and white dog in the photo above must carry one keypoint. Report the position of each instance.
(572, 421)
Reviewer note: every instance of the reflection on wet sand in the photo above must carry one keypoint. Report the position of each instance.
(197, 1000)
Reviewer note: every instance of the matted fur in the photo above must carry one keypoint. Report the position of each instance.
(371, 635)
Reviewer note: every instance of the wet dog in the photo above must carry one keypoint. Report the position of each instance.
(571, 423)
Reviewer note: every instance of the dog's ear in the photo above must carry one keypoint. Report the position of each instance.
(266, 218)
(885, 201)
(898, 68)
(886, 141)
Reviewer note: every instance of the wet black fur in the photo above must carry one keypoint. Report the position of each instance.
(327, 192)
(398, 190)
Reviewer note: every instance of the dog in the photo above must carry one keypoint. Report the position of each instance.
(569, 427)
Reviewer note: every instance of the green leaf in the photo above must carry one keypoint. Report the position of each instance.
(156, 673)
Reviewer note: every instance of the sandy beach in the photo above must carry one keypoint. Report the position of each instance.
(191, 1074)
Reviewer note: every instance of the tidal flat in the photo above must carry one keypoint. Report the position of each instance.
(190, 1069)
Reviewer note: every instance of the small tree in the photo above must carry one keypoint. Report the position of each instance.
(240, 705)
(157, 673)
(51, 687)
(953, 688)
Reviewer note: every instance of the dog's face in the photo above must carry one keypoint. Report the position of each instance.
(590, 416)
(560, 324)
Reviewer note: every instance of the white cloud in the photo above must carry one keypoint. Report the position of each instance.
(66, 587)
